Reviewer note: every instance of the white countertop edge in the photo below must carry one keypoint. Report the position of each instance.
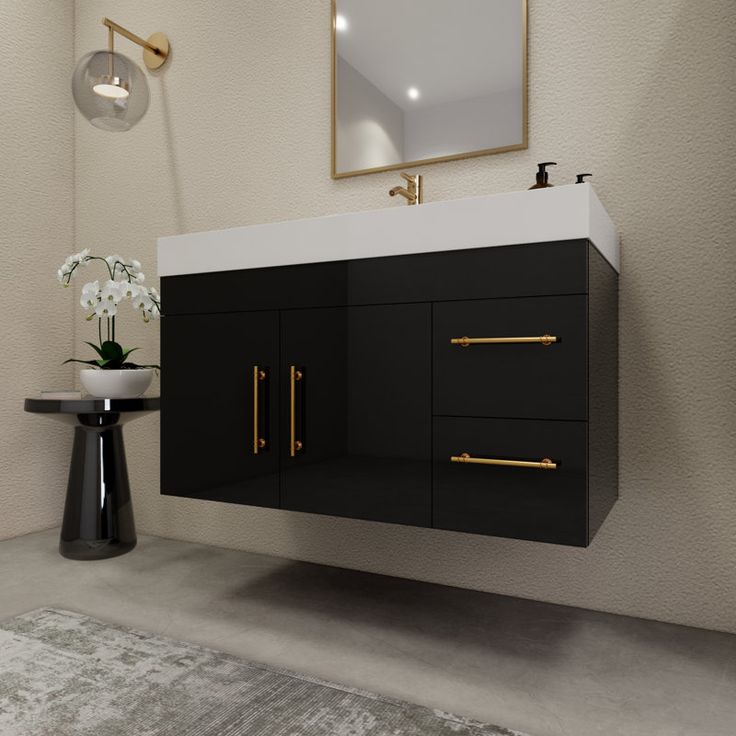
(603, 233)
(562, 213)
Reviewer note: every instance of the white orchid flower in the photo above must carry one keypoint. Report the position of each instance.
(64, 274)
(101, 299)
(141, 300)
(90, 295)
(81, 258)
(71, 263)
(129, 290)
(114, 262)
(106, 309)
(91, 286)
(156, 302)
(111, 292)
(74, 259)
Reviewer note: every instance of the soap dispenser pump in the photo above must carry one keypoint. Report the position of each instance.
(581, 178)
(543, 176)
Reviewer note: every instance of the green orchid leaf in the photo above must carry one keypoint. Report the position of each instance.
(86, 362)
(111, 350)
(112, 357)
(96, 348)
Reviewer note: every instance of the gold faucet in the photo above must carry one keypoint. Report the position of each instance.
(414, 193)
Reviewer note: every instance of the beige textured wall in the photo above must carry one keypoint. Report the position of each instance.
(36, 210)
(641, 93)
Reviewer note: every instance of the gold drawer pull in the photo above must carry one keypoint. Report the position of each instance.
(545, 464)
(468, 341)
(259, 443)
(295, 445)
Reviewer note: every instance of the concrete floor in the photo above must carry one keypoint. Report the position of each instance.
(543, 669)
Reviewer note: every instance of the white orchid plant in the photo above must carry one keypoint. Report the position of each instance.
(101, 301)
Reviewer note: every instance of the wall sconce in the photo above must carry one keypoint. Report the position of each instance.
(109, 89)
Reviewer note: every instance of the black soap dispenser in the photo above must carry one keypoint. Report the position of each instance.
(543, 176)
(581, 178)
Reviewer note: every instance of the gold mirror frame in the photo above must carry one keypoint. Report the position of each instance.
(456, 157)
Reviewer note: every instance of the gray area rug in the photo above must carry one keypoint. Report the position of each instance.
(65, 674)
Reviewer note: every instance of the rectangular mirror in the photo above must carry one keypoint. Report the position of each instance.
(421, 81)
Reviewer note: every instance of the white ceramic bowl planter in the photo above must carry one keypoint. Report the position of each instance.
(121, 384)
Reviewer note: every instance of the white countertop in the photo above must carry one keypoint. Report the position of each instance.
(545, 215)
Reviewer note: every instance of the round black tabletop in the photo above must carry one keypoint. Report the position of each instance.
(92, 405)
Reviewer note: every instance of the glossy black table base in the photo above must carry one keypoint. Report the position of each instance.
(98, 513)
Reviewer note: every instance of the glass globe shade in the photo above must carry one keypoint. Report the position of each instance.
(110, 90)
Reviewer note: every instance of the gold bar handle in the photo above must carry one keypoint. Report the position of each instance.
(295, 445)
(259, 443)
(545, 464)
(468, 341)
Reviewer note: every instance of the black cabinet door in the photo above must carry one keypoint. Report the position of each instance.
(219, 441)
(362, 412)
(544, 505)
(524, 380)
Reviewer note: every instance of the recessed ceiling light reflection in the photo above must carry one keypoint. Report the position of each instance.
(341, 23)
(413, 93)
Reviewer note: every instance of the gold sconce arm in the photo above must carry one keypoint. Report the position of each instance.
(155, 47)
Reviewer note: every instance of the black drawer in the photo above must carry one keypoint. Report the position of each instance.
(518, 502)
(517, 380)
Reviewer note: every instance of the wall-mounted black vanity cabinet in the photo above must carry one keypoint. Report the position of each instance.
(335, 388)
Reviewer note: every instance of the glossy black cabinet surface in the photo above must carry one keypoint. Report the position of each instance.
(532, 381)
(546, 505)
(363, 401)
(208, 431)
(478, 273)
(362, 412)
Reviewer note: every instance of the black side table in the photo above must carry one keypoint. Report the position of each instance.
(98, 514)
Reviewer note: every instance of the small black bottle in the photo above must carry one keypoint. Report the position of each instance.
(543, 176)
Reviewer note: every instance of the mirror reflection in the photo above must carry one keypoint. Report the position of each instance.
(426, 80)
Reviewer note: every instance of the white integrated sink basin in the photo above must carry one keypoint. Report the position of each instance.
(548, 215)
